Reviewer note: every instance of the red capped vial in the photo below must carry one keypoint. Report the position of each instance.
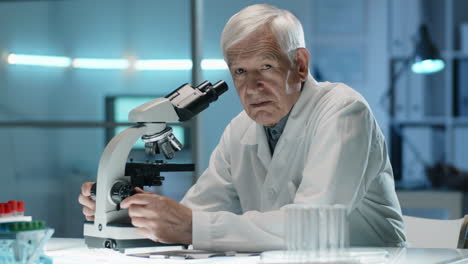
(2, 210)
(20, 208)
(13, 205)
(8, 209)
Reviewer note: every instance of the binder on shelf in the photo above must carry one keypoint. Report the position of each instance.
(464, 37)
(462, 88)
(461, 151)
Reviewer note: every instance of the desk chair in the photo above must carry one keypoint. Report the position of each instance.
(434, 233)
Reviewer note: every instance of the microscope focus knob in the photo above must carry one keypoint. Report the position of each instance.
(121, 190)
(93, 191)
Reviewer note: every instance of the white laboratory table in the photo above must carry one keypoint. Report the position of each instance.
(74, 251)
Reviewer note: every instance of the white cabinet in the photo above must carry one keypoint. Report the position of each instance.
(432, 204)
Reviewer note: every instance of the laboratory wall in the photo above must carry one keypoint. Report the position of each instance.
(52, 130)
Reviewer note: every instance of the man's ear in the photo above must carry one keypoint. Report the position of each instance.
(302, 63)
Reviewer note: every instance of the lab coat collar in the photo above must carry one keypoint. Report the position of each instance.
(310, 87)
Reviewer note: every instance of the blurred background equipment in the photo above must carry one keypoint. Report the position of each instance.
(427, 59)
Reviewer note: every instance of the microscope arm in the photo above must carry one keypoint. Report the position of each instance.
(180, 105)
(112, 169)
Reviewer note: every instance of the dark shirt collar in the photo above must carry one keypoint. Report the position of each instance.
(274, 132)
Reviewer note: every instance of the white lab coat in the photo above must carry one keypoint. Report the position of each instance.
(331, 152)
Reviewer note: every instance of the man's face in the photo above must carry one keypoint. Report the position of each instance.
(266, 83)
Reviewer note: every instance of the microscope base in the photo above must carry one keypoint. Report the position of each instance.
(119, 244)
(119, 237)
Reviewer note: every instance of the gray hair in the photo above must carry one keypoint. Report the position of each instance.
(284, 25)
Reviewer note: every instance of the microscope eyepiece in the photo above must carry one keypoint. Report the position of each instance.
(189, 101)
(220, 87)
(204, 86)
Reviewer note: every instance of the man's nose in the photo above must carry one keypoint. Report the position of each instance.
(254, 83)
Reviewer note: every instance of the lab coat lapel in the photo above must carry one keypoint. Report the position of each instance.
(294, 130)
(263, 152)
(255, 135)
(278, 172)
(293, 134)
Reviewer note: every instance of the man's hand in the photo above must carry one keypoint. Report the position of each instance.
(159, 218)
(89, 205)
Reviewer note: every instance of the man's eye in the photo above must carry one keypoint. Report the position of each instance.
(239, 71)
(266, 67)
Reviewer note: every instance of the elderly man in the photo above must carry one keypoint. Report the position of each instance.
(297, 141)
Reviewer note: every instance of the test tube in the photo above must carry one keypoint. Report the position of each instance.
(319, 230)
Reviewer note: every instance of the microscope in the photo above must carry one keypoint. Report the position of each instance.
(117, 178)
